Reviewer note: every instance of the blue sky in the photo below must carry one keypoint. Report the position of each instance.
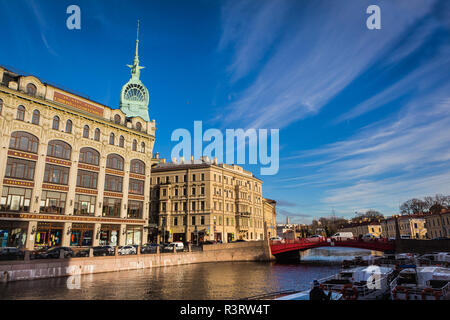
(363, 114)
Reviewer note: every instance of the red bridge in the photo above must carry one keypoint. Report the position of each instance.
(288, 249)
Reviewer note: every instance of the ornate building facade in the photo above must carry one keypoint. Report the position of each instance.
(74, 172)
(200, 200)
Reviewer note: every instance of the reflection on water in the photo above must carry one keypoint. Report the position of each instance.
(231, 280)
(335, 255)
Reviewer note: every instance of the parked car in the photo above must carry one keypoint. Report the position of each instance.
(103, 251)
(54, 253)
(82, 253)
(123, 250)
(277, 238)
(209, 242)
(178, 244)
(11, 253)
(150, 248)
(240, 240)
(342, 236)
(370, 236)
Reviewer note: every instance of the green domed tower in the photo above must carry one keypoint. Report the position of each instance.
(134, 97)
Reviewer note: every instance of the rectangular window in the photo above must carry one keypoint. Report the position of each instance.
(113, 183)
(87, 179)
(15, 199)
(202, 220)
(202, 191)
(175, 221)
(135, 209)
(164, 192)
(20, 169)
(136, 186)
(193, 220)
(193, 177)
(56, 174)
(203, 177)
(84, 205)
(53, 202)
(202, 205)
(111, 207)
(193, 206)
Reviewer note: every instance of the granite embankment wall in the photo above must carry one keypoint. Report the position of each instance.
(37, 269)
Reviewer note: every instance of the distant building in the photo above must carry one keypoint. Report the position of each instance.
(200, 200)
(270, 214)
(438, 225)
(363, 228)
(410, 226)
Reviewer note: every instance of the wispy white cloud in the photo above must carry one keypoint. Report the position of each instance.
(311, 64)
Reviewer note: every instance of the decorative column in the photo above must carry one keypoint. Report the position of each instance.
(65, 242)
(125, 187)
(31, 235)
(96, 235)
(73, 173)
(38, 178)
(100, 186)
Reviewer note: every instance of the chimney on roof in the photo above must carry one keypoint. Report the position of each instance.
(215, 160)
(192, 158)
(182, 159)
(174, 160)
(163, 160)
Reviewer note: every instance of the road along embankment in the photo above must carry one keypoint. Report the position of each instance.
(38, 269)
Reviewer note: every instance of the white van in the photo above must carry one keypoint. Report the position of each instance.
(342, 236)
(178, 244)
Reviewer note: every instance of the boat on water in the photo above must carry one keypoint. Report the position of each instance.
(400, 260)
(435, 259)
(422, 283)
(361, 283)
(291, 295)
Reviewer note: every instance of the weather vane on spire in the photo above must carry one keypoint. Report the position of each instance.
(136, 68)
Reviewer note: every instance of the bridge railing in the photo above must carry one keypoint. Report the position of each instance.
(323, 239)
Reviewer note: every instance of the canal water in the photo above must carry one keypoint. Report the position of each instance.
(207, 281)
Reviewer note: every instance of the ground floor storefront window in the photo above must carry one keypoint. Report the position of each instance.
(218, 236)
(82, 234)
(134, 235)
(49, 234)
(109, 235)
(13, 233)
(230, 237)
(179, 237)
(15, 199)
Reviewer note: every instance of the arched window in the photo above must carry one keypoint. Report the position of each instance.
(143, 147)
(55, 125)
(117, 119)
(137, 166)
(86, 131)
(59, 149)
(114, 161)
(134, 145)
(36, 116)
(1, 106)
(31, 89)
(138, 126)
(121, 141)
(111, 138)
(97, 134)
(89, 156)
(69, 126)
(20, 113)
(24, 141)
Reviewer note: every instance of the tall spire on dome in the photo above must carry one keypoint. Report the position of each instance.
(136, 68)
